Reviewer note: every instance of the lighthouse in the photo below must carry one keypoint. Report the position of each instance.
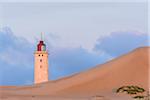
(41, 63)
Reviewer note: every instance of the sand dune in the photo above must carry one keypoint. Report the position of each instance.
(99, 82)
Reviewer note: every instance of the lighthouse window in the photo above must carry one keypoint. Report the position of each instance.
(40, 66)
(40, 60)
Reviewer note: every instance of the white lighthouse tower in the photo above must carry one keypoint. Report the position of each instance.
(41, 63)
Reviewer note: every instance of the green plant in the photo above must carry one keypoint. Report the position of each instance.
(135, 91)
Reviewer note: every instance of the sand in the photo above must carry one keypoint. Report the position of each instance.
(99, 83)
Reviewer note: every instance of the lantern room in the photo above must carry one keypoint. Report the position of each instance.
(41, 46)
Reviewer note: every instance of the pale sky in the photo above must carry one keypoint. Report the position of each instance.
(74, 0)
(73, 24)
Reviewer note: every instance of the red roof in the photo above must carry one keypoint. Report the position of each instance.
(39, 46)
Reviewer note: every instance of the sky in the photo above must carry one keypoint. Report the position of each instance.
(78, 36)
(74, 1)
